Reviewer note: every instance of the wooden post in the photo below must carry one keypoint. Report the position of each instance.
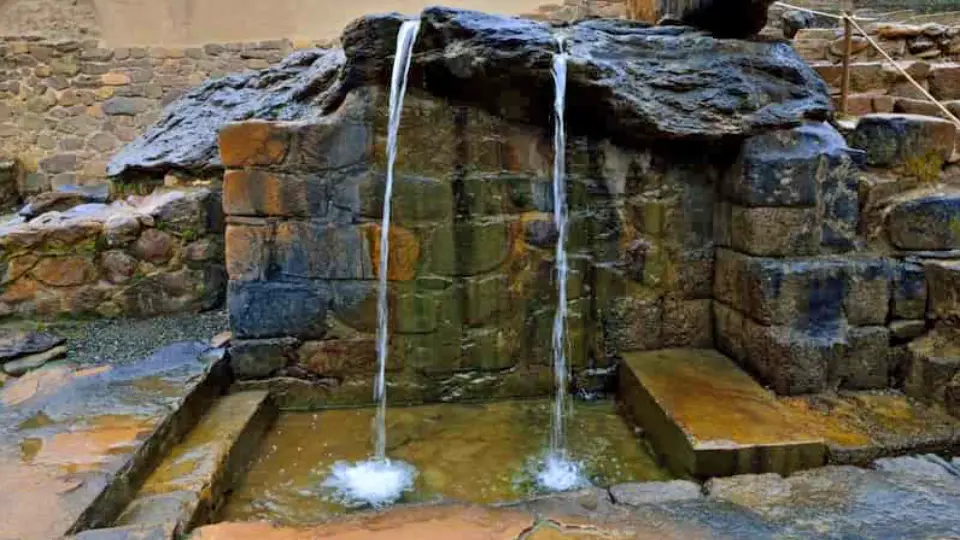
(847, 51)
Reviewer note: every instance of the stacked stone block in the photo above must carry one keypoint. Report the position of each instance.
(472, 290)
(794, 303)
(67, 106)
(136, 258)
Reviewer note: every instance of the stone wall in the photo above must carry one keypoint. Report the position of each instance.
(139, 257)
(472, 290)
(930, 42)
(67, 106)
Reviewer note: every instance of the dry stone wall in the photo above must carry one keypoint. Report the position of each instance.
(67, 106)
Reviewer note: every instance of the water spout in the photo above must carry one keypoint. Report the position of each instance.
(559, 473)
(380, 481)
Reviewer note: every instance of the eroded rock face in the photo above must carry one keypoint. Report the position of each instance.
(626, 81)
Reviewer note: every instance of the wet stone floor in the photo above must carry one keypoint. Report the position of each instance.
(477, 453)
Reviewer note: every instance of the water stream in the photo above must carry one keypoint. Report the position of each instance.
(559, 472)
(381, 481)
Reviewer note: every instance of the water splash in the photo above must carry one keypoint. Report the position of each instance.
(559, 473)
(381, 481)
(376, 482)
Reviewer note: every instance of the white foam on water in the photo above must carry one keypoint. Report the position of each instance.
(557, 473)
(375, 482)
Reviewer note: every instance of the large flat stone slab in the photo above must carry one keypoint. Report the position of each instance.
(75, 444)
(708, 418)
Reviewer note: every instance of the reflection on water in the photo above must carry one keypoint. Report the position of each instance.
(476, 453)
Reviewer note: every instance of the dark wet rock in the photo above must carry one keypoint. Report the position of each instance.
(160, 531)
(926, 222)
(185, 138)
(723, 18)
(655, 492)
(261, 309)
(16, 344)
(626, 81)
(589, 502)
(22, 365)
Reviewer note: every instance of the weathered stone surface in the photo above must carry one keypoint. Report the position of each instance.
(248, 249)
(117, 266)
(261, 309)
(251, 359)
(784, 168)
(186, 137)
(943, 285)
(934, 362)
(926, 222)
(340, 357)
(655, 492)
(154, 246)
(22, 365)
(945, 82)
(64, 271)
(262, 193)
(909, 291)
(688, 323)
(16, 344)
(737, 19)
(905, 330)
(315, 249)
(866, 291)
(706, 417)
(793, 361)
(894, 139)
(64, 198)
(612, 69)
(774, 232)
(866, 362)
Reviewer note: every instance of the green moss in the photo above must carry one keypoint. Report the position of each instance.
(926, 168)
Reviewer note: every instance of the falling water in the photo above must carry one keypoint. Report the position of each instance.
(380, 481)
(559, 472)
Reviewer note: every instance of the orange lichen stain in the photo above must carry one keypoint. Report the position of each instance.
(90, 445)
(43, 382)
(404, 252)
(253, 143)
(857, 419)
(711, 399)
(824, 423)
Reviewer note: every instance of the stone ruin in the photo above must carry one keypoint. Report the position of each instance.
(712, 206)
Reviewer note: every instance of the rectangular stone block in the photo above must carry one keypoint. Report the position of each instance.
(943, 286)
(262, 193)
(266, 309)
(866, 362)
(467, 248)
(258, 358)
(775, 169)
(708, 418)
(840, 203)
(799, 292)
(633, 322)
(688, 323)
(248, 248)
(934, 362)
(792, 361)
(415, 200)
(316, 249)
(866, 299)
(909, 291)
(254, 143)
(343, 357)
(774, 232)
(333, 142)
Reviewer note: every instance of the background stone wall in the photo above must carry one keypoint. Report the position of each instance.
(67, 106)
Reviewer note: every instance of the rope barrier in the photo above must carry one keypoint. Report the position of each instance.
(852, 20)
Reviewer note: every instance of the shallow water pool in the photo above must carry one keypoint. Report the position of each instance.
(481, 453)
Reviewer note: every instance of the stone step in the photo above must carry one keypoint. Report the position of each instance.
(189, 486)
(708, 418)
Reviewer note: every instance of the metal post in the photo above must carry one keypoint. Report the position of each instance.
(847, 51)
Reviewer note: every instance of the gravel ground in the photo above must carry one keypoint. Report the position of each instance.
(121, 341)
